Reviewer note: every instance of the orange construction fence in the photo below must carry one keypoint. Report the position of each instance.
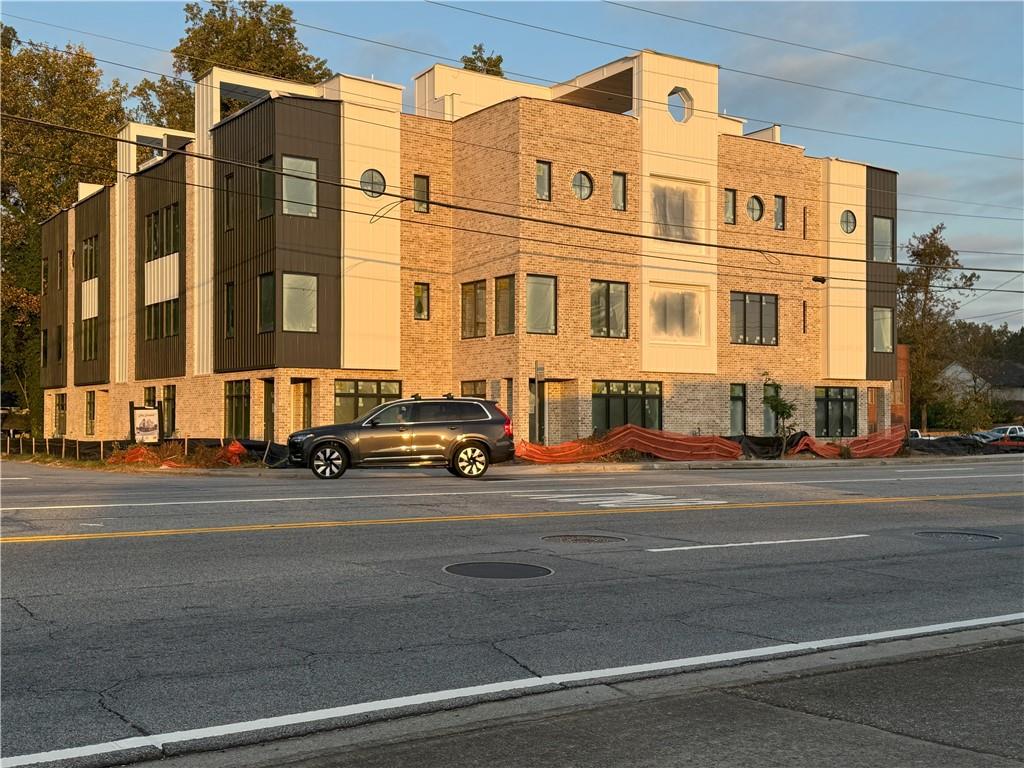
(877, 445)
(665, 445)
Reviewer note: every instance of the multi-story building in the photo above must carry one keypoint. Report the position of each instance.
(313, 250)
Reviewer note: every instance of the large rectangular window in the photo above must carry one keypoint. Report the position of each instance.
(881, 329)
(89, 339)
(421, 193)
(677, 313)
(881, 239)
(835, 411)
(90, 265)
(618, 191)
(771, 421)
(678, 209)
(474, 309)
(543, 180)
(170, 399)
(421, 301)
(737, 409)
(229, 310)
(163, 320)
(475, 388)
(229, 201)
(298, 186)
(780, 212)
(90, 412)
(609, 309)
(172, 229)
(729, 215)
(154, 237)
(504, 305)
(236, 409)
(754, 318)
(267, 303)
(267, 187)
(353, 398)
(299, 306)
(541, 304)
(614, 403)
(60, 415)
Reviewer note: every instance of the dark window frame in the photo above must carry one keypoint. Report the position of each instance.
(237, 404)
(297, 176)
(760, 208)
(44, 278)
(169, 399)
(60, 269)
(738, 394)
(824, 397)
(425, 290)
(90, 412)
(367, 389)
(229, 310)
(267, 188)
(60, 414)
(505, 326)
(89, 339)
(729, 205)
(554, 309)
(586, 185)
(744, 296)
(620, 175)
(479, 314)
(229, 201)
(892, 331)
(606, 286)
(601, 396)
(44, 350)
(780, 207)
(59, 338)
(420, 198)
(149, 396)
(548, 166)
(263, 324)
(891, 246)
(474, 388)
(171, 225)
(316, 279)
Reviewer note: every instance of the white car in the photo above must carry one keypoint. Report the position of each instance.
(1012, 430)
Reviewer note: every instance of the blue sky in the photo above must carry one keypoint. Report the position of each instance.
(984, 41)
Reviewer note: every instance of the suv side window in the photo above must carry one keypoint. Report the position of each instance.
(431, 412)
(396, 414)
(467, 412)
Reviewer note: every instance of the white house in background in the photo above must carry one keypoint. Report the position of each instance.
(1000, 379)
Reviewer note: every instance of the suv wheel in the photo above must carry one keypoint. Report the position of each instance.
(470, 461)
(328, 462)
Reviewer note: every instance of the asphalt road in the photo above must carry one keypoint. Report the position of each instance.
(149, 604)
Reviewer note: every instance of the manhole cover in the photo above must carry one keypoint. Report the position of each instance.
(956, 535)
(571, 538)
(498, 570)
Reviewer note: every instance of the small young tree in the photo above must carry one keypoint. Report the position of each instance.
(781, 407)
(481, 61)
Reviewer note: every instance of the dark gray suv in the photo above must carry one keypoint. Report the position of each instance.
(465, 435)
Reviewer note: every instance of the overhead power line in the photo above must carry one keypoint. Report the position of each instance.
(805, 46)
(516, 152)
(467, 209)
(724, 68)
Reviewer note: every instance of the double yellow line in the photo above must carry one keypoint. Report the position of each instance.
(269, 527)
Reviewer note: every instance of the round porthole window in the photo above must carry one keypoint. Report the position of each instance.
(755, 208)
(848, 221)
(372, 183)
(582, 185)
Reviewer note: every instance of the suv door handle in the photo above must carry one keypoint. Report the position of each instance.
(403, 429)
(453, 426)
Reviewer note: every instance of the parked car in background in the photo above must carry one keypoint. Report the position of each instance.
(1013, 431)
(987, 436)
(464, 435)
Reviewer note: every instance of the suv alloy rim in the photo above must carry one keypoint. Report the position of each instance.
(328, 462)
(471, 461)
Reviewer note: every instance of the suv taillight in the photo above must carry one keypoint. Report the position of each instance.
(508, 422)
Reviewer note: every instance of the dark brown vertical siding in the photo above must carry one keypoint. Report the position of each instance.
(54, 305)
(881, 276)
(92, 217)
(311, 129)
(246, 251)
(156, 188)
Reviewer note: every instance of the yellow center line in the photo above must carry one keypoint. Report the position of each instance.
(261, 527)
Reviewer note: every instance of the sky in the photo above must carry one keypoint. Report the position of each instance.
(983, 203)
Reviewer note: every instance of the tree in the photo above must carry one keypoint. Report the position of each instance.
(926, 304)
(781, 407)
(42, 168)
(479, 61)
(252, 35)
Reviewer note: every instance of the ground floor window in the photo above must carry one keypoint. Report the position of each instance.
(476, 388)
(170, 395)
(614, 403)
(149, 397)
(835, 411)
(302, 404)
(737, 409)
(90, 413)
(236, 409)
(60, 415)
(353, 398)
(771, 421)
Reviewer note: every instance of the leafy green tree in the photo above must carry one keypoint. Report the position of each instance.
(926, 304)
(480, 61)
(251, 35)
(781, 407)
(41, 171)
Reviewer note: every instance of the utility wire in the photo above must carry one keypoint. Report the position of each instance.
(608, 146)
(469, 209)
(816, 48)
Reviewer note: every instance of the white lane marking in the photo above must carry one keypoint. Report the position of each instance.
(759, 543)
(160, 739)
(93, 525)
(965, 468)
(615, 500)
(2, 479)
(193, 502)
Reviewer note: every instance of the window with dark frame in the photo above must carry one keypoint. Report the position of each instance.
(45, 279)
(266, 185)
(881, 239)
(881, 329)
(353, 398)
(737, 409)
(299, 302)
(421, 301)
(474, 309)
(44, 336)
(60, 270)
(149, 397)
(90, 412)
(229, 310)
(614, 403)
(267, 303)
(541, 304)
(543, 180)
(618, 191)
(421, 193)
(60, 414)
(475, 388)
(835, 411)
(154, 237)
(236, 409)
(169, 400)
(90, 267)
(229, 201)
(609, 309)
(172, 229)
(780, 212)
(162, 320)
(299, 186)
(729, 215)
(771, 421)
(504, 305)
(754, 318)
(89, 339)
(60, 342)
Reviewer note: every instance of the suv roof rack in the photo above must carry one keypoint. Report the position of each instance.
(448, 396)
(416, 397)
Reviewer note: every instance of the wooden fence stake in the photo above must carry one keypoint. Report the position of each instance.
(101, 450)
(78, 454)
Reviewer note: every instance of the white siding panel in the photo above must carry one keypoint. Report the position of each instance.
(162, 279)
(91, 298)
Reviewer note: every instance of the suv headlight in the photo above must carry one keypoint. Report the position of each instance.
(301, 437)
